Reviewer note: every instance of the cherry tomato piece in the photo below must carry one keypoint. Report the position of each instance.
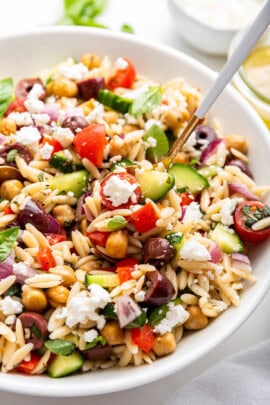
(54, 238)
(16, 106)
(143, 337)
(144, 219)
(125, 267)
(46, 259)
(186, 198)
(123, 77)
(90, 143)
(98, 238)
(57, 147)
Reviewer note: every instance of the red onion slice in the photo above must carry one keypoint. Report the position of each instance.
(210, 150)
(22, 272)
(242, 189)
(6, 266)
(127, 310)
(215, 253)
(53, 110)
(241, 262)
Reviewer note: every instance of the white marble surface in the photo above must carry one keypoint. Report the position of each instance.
(151, 20)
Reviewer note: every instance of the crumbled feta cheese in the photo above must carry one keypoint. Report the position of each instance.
(228, 207)
(192, 213)
(73, 72)
(193, 250)
(10, 320)
(20, 269)
(46, 151)
(99, 296)
(176, 315)
(10, 306)
(190, 143)
(41, 119)
(34, 105)
(115, 159)
(134, 93)
(152, 142)
(119, 191)
(96, 114)
(28, 136)
(64, 136)
(90, 335)
(120, 64)
(70, 194)
(36, 91)
(21, 119)
(150, 123)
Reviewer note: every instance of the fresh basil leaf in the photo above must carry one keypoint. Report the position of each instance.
(6, 90)
(99, 339)
(86, 22)
(116, 223)
(15, 290)
(35, 331)
(161, 148)
(146, 101)
(138, 322)
(84, 8)
(7, 240)
(11, 155)
(59, 346)
(127, 28)
(109, 311)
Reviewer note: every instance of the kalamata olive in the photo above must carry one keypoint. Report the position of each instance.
(74, 123)
(38, 327)
(24, 87)
(160, 289)
(23, 151)
(89, 88)
(158, 251)
(241, 165)
(204, 135)
(98, 352)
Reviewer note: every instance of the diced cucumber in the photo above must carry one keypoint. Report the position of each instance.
(61, 162)
(186, 177)
(76, 182)
(65, 365)
(154, 184)
(176, 239)
(208, 171)
(227, 239)
(161, 148)
(113, 101)
(122, 163)
(104, 280)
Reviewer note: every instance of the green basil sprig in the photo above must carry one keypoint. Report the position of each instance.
(116, 223)
(6, 91)
(99, 339)
(146, 101)
(83, 12)
(60, 346)
(7, 240)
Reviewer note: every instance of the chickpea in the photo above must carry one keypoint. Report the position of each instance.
(62, 87)
(66, 272)
(57, 296)
(181, 157)
(63, 213)
(197, 319)
(237, 141)
(7, 126)
(116, 244)
(90, 60)
(10, 189)
(164, 344)
(113, 334)
(34, 299)
(111, 117)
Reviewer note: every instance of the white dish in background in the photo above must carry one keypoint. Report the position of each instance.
(199, 28)
(22, 56)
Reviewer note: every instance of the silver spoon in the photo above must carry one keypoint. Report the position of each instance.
(230, 68)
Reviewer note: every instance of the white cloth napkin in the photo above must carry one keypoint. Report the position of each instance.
(242, 379)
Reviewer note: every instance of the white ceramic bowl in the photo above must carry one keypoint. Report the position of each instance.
(22, 56)
(198, 34)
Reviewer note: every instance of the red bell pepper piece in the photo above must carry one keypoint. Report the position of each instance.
(144, 218)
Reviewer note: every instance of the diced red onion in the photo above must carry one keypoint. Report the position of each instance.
(127, 310)
(6, 266)
(239, 188)
(81, 207)
(215, 253)
(53, 110)
(3, 138)
(241, 262)
(210, 150)
(23, 271)
(74, 111)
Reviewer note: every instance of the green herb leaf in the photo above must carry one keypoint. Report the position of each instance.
(99, 339)
(40, 177)
(35, 331)
(60, 346)
(7, 240)
(161, 148)
(109, 311)
(6, 90)
(84, 8)
(146, 101)
(117, 222)
(14, 290)
(138, 322)
(127, 28)
(11, 155)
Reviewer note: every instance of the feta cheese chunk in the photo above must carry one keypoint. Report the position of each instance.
(90, 335)
(28, 136)
(9, 306)
(228, 207)
(36, 91)
(41, 119)
(193, 250)
(64, 136)
(34, 105)
(73, 72)
(176, 315)
(46, 151)
(192, 213)
(21, 119)
(119, 191)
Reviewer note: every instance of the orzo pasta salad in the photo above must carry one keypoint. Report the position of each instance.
(107, 257)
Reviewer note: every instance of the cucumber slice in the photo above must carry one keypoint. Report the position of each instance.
(113, 101)
(60, 161)
(176, 239)
(65, 365)
(162, 144)
(122, 163)
(228, 240)
(154, 184)
(208, 171)
(76, 182)
(186, 177)
(104, 280)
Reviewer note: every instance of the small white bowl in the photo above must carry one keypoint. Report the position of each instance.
(201, 36)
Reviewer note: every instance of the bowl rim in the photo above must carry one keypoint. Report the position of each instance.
(55, 387)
